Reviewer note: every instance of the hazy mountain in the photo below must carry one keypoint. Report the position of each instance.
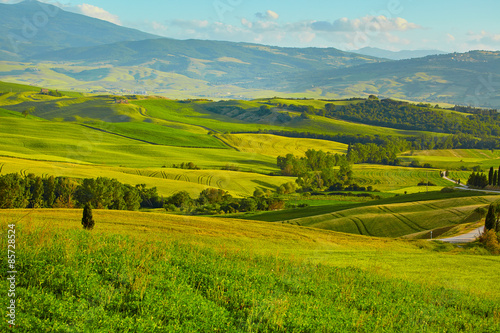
(68, 37)
(471, 78)
(215, 61)
(399, 55)
(31, 27)
(72, 51)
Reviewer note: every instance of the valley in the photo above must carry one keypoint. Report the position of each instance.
(154, 184)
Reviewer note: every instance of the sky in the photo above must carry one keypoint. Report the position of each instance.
(451, 26)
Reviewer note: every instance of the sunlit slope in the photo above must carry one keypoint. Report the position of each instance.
(34, 138)
(455, 158)
(408, 261)
(398, 179)
(273, 145)
(167, 180)
(395, 220)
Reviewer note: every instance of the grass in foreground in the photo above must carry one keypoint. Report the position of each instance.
(137, 272)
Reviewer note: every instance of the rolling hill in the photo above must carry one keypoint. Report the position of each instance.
(399, 55)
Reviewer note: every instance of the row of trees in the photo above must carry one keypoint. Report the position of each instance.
(493, 177)
(481, 180)
(31, 191)
(403, 115)
(217, 201)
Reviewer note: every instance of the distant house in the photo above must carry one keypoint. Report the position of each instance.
(121, 101)
(44, 91)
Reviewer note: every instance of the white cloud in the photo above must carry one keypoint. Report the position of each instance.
(367, 24)
(268, 15)
(97, 12)
(343, 33)
(483, 40)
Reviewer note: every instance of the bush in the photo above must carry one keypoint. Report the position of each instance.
(490, 241)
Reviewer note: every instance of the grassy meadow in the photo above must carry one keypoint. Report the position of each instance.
(154, 272)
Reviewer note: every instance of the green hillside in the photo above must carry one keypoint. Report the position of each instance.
(157, 273)
(140, 140)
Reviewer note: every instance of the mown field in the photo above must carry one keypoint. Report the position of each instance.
(456, 158)
(396, 220)
(398, 180)
(273, 145)
(388, 217)
(167, 180)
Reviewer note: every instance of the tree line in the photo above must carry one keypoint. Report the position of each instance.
(419, 142)
(217, 201)
(481, 180)
(31, 191)
(407, 116)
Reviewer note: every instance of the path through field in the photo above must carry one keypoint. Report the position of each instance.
(467, 188)
(465, 238)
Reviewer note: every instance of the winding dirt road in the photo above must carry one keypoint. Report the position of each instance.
(465, 238)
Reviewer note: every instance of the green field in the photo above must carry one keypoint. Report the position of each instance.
(152, 272)
(273, 145)
(398, 179)
(396, 220)
(455, 158)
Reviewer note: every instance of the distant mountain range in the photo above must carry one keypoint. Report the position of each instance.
(44, 45)
(399, 55)
(32, 27)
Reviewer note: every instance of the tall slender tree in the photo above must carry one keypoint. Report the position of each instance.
(490, 176)
(87, 220)
(490, 221)
(495, 178)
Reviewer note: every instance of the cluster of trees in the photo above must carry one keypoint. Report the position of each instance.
(493, 177)
(31, 191)
(481, 180)
(478, 180)
(377, 154)
(491, 235)
(217, 201)
(186, 165)
(315, 171)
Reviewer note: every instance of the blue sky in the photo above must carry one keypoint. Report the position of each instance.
(457, 25)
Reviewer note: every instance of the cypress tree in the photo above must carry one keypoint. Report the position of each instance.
(490, 176)
(498, 179)
(87, 220)
(490, 221)
(495, 178)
